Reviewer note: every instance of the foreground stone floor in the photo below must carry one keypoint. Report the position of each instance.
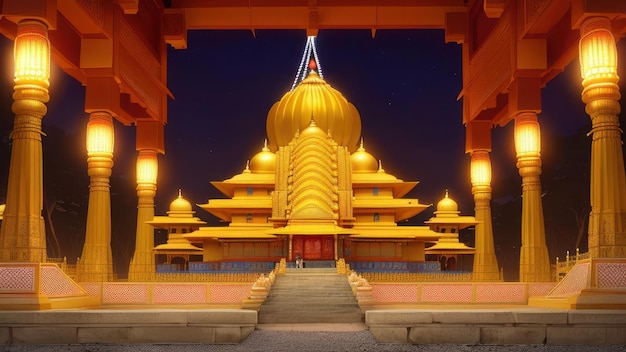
(301, 338)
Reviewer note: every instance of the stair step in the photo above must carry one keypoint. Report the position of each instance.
(310, 296)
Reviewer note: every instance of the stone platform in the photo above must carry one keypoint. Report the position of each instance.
(140, 326)
(498, 326)
(443, 325)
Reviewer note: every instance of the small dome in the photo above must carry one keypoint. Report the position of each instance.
(180, 206)
(447, 206)
(312, 130)
(264, 162)
(363, 161)
(313, 97)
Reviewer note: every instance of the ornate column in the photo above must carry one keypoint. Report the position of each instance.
(96, 260)
(598, 67)
(485, 261)
(290, 254)
(23, 232)
(534, 261)
(142, 265)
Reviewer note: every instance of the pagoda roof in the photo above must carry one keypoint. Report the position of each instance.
(394, 232)
(462, 221)
(179, 247)
(225, 208)
(164, 221)
(246, 179)
(312, 229)
(403, 208)
(240, 231)
(399, 187)
(449, 245)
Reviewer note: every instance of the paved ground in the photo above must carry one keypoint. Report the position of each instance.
(308, 338)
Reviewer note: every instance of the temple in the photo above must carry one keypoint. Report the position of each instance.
(314, 191)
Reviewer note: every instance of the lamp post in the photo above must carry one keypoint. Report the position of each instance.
(96, 259)
(534, 261)
(142, 265)
(485, 261)
(598, 67)
(22, 236)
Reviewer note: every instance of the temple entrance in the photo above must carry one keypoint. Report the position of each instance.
(314, 247)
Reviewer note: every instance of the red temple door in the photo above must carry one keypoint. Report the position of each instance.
(314, 247)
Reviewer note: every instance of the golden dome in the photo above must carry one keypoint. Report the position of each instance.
(447, 207)
(180, 206)
(312, 129)
(363, 161)
(264, 162)
(313, 97)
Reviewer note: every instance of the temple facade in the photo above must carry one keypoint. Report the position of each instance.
(314, 192)
(309, 193)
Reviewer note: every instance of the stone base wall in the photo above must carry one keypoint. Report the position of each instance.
(221, 326)
(458, 292)
(498, 327)
(173, 293)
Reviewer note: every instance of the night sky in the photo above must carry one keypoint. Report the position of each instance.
(404, 83)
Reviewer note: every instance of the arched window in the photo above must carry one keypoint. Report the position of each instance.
(248, 218)
(375, 191)
(376, 217)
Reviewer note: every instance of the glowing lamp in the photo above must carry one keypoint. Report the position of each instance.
(480, 169)
(100, 134)
(597, 51)
(32, 52)
(527, 135)
(147, 167)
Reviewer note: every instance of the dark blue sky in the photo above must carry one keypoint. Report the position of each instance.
(403, 82)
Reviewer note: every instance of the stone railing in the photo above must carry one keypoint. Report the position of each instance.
(342, 267)
(443, 276)
(563, 267)
(259, 291)
(68, 269)
(282, 266)
(361, 290)
(206, 277)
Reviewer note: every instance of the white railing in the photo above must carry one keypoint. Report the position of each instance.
(563, 267)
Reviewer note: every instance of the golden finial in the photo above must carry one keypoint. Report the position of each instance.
(265, 148)
(312, 123)
(380, 166)
(180, 193)
(446, 193)
(247, 170)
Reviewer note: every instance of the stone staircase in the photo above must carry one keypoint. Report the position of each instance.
(314, 295)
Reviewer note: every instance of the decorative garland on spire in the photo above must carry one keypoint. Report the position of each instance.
(309, 55)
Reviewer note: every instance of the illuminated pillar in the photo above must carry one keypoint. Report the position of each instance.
(485, 261)
(23, 234)
(534, 261)
(142, 265)
(96, 259)
(598, 67)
